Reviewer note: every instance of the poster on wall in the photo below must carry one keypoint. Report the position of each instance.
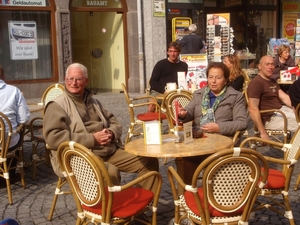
(196, 75)
(289, 24)
(159, 8)
(22, 40)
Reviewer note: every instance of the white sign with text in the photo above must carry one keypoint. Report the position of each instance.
(22, 40)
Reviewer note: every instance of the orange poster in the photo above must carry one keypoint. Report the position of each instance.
(289, 23)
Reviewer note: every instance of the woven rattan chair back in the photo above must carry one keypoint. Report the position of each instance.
(93, 189)
(231, 181)
(170, 93)
(52, 92)
(183, 98)
(6, 154)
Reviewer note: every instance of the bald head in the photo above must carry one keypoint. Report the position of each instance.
(266, 66)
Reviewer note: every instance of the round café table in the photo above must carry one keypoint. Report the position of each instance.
(208, 144)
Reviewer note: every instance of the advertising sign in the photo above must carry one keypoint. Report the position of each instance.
(22, 40)
(159, 8)
(196, 76)
(218, 19)
(289, 24)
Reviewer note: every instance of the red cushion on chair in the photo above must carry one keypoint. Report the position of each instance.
(191, 203)
(275, 179)
(151, 116)
(126, 203)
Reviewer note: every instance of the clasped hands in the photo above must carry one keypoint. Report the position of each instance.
(103, 137)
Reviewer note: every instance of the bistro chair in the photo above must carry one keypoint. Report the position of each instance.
(280, 175)
(7, 155)
(183, 97)
(231, 181)
(298, 120)
(35, 128)
(138, 118)
(97, 199)
(274, 134)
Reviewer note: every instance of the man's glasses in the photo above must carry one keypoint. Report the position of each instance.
(79, 80)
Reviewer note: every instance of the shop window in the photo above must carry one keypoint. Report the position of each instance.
(25, 48)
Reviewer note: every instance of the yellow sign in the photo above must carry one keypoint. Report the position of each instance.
(289, 23)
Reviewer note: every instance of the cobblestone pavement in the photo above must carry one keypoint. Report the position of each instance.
(32, 204)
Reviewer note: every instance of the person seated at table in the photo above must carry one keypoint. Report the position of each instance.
(14, 106)
(236, 77)
(283, 60)
(216, 108)
(81, 118)
(264, 93)
(294, 93)
(165, 71)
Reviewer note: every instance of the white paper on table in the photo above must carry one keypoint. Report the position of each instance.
(152, 132)
(188, 132)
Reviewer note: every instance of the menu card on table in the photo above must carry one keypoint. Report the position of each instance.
(188, 132)
(152, 132)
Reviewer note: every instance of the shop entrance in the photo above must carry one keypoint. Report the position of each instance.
(98, 43)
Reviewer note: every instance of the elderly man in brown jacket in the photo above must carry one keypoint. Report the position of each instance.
(77, 116)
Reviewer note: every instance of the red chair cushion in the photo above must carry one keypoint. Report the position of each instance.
(275, 179)
(126, 203)
(191, 203)
(151, 116)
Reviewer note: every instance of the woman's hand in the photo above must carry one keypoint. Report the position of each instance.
(181, 111)
(210, 128)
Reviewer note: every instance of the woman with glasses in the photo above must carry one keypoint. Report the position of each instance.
(236, 77)
(282, 61)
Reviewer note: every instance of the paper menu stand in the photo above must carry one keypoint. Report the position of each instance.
(152, 132)
(181, 80)
(188, 132)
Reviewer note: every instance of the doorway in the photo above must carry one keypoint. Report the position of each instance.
(98, 43)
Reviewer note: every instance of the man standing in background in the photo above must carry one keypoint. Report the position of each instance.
(191, 43)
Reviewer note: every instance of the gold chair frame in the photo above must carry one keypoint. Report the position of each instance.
(136, 125)
(231, 181)
(5, 155)
(35, 128)
(91, 185)
(287, 163)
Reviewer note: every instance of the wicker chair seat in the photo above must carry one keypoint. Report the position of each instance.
(189, 203)
(276, 180)
(151, 116)
(126, 203)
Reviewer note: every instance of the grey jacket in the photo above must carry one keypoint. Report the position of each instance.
(231, 114)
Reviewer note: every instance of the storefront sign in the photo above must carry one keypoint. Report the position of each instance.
(24, 2)
(289, 23)
(22, 40)
(96, 3)
(290, 6)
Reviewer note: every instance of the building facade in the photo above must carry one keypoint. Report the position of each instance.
(118, 40)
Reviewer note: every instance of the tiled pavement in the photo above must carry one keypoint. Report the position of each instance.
(32, 204)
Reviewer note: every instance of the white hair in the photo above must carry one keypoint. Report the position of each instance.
(193, 28)
(80, 66)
